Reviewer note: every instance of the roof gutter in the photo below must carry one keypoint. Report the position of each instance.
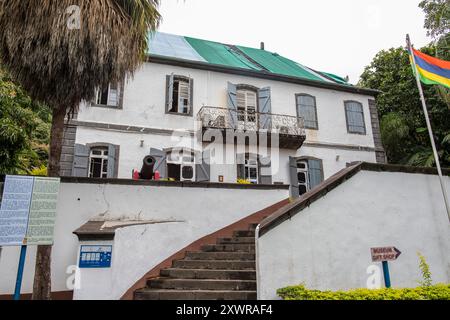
(257, 74)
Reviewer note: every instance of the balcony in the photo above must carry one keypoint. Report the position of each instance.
(290, 129)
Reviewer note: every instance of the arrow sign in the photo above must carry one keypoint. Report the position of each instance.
(385, 254)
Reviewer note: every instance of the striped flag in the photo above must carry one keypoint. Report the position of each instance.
(431, 70)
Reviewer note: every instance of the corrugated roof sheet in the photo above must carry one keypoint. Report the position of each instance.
(187, 48)
(169, 45)
(218, 53)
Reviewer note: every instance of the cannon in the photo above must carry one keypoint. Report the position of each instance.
(148, 166)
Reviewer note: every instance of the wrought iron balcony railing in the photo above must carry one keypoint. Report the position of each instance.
(224, 118)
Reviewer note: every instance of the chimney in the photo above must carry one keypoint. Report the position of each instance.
(262, 45)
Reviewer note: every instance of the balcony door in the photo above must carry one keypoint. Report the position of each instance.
(246, 109)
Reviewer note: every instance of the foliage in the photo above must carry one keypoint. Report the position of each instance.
(437, 292)
(403, 126)
(426, 273)
(41, 172)
(437, 17)
(243, 181)
(24, 130)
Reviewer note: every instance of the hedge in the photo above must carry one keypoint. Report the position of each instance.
(435, 292)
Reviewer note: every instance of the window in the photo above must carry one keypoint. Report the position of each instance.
(307, 109)
(98, 163)
(179, 95)
(246, 105)
(108, 96)
(355, 117)
(302, 176)
(248, 168)
(181, 165)
(309, 174)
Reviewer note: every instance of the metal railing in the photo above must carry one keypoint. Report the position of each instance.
(224, 118)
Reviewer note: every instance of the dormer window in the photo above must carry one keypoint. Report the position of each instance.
(179, 95)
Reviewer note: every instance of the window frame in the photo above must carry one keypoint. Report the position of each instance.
(120, 95)
(247, 114)
(190, 82)
(363, 117)
(315, 110)
(105, 145)
(182, 154)
(103, 157)
(306, 159)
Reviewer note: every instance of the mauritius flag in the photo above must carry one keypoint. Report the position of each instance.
(431, 70)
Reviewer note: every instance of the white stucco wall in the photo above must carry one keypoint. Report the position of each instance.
(144, 105)
(193, 212)
(327, 245)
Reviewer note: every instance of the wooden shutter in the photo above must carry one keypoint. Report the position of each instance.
(232, 104)
(203, 169)
(265, 167)
(112, 158)
(355, 117)
(306, 106)
(80, 161)
(265, 108)
(161, 162)
(315, 173)
(169, 92)
(191, 96)
(295, 193)
(113, 95)
(240, 165)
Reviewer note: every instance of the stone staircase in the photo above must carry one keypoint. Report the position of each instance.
(222, 271)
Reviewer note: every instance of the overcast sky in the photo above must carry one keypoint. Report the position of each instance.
(338, 36)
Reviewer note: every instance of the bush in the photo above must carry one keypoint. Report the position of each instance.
(436, 292)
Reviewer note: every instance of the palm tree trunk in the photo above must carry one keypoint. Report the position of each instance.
(42, 278)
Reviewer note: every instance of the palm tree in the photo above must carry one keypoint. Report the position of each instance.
(62, 65)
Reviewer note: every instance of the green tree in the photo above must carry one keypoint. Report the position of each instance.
(60, 52)
(24, 130)
(403, 125)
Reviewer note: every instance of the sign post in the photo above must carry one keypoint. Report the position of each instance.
(383, 255)
(23, 254)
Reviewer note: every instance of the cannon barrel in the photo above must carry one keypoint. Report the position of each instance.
(147, 168)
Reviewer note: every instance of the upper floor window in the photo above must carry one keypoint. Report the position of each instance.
(307, 109)
(246, 105)
(355, 117)
(179, 96)
(108, 96)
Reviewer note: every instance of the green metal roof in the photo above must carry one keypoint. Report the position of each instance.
(215, 53)
(218, 53)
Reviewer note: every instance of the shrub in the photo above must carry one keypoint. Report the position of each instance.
(436, 292)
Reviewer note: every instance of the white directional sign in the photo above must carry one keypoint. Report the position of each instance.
(385, 254)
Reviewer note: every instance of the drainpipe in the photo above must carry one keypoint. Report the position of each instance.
(258, 282)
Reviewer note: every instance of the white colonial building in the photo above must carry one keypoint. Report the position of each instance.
(271, 120)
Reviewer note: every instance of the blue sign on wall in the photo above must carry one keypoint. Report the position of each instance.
(94, 256)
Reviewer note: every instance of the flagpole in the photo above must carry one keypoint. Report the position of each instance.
(430, 132)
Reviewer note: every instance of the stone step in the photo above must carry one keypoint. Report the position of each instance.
(229, 248)
(209, 274)
(240, 240)
(219, 256)
(201, 284)
(152, 294)
(214, 264)
(244, 233)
